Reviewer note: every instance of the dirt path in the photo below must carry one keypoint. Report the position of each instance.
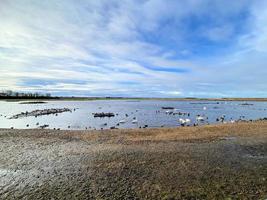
(211, 162)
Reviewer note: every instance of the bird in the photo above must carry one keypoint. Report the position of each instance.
(184, 121)
(135, 121)
(122, 121)
(187, 120)
(199, 118)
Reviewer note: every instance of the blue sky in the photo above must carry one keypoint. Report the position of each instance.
(142, 48)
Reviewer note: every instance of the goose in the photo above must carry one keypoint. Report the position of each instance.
(221, 119)
(169, 112)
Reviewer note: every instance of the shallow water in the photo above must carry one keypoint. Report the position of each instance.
(144, 111)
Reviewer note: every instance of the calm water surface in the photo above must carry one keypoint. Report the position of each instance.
(143, 111)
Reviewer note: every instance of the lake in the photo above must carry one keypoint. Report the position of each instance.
(146, 112)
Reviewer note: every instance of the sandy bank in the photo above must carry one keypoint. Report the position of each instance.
(210, 162)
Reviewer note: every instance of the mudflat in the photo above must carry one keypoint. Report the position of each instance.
(226, 161)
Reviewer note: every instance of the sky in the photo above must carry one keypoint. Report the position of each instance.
(134, 48)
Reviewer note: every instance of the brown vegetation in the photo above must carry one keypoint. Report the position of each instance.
(211, 162)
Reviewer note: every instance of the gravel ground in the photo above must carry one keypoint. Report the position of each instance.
(210, 162)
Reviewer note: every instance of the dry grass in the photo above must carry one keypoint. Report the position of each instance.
(200, 133)
(187, 134)
(225, 161)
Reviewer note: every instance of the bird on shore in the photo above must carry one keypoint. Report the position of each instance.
(184, 121)
(200, 118)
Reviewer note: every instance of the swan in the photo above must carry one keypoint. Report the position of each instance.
(199, 118)
(135, 121)
(122, 121)
(187, 120)
(184, 121)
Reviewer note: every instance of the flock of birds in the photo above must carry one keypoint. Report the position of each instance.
(200, 119)
(183, 120)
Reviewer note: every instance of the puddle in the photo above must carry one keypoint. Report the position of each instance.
(255, 156)
(255, 152)
(4, 172)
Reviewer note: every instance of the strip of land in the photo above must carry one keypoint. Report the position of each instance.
(226, 161)
(15, 99)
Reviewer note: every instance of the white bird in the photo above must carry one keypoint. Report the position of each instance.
(135, 121)
(122, 121)
(182, 121)
(187, 120)
(204, 108)
(199, 118)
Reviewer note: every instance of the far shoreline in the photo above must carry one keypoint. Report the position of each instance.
(15, 99)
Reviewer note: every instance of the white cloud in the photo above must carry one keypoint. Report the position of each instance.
(108, 42)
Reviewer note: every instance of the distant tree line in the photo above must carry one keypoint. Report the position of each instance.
(9, 94)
